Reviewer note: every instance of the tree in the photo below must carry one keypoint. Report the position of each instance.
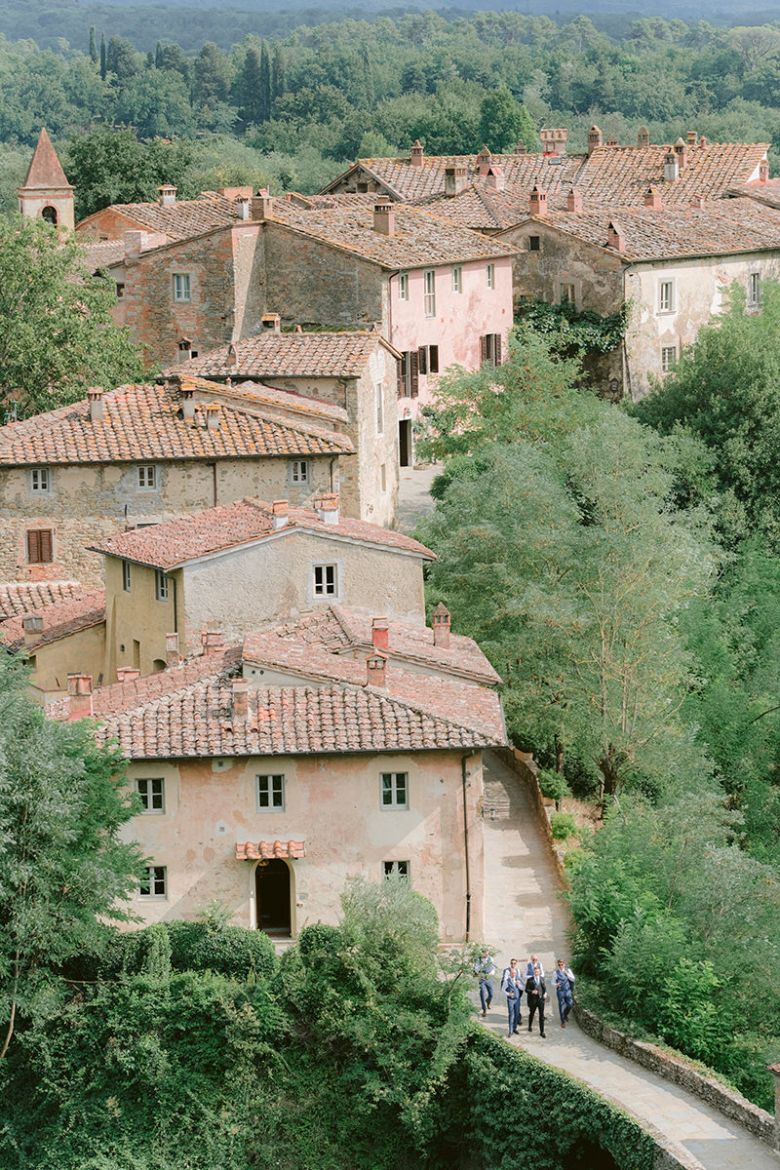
(726, 391)
(57, 336)
(93, 50)
(122, 59)
(503, 122)
(156, 104)
(265, 98)
(247, 90)
(62, 865)
(113, 166)
(103, 57)
(278, 81)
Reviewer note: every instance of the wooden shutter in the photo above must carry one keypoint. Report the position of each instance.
(433, 359)
(483, 349)
(498, 349)
(401, 377)
(414, 362)
(39, 546)
(422, 360)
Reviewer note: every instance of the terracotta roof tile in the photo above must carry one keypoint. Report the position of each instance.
(21, 597)
(266, 850)
(721, 227)
(45, 170)
(165, 546)
(183, 219)
(60, 619)
(142, 422)
(480, 208)
(768, 192)
(101, 254)
(269, 355)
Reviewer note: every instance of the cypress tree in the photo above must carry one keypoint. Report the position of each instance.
(265, 84)
(158, 56)
(249, 88)
(93, 50)
(103, 66)
(277, 75)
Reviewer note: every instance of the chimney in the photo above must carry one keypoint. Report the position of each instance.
(698, 201)
(702, 142)
(763, 171)
(615, 237)
(376, 670)
(280, 513)
(442, 623)
(653, 199)
(554, 141)
(380, 634)
(594, 139)
(96, 405)
(213, 416)
(327, 507)
(574, 200)
(416, 154)
(80, 694)
(32, 623)
(537, 202)
(243, 206)
(484, 161)
(384, 216)
(172, 653)
(231, 357)
(167, 195)
(271, 323)
(521, 148)
(134, 243)
(643, 136)
(681, 151)
(212, 640)
(185, 349)
(454, 180)
(127, 674)
(240, 698)
(187, 403)
(692, 136)
(262, 204)
(612, 142)
(671, 167)
(495, 178)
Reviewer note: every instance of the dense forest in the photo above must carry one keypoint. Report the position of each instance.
(291, 110)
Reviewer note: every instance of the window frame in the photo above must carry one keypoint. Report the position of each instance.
(36, 535)
(44, 475)
(271, 793)
(147, 477)
(178, 290)
(457, 278)
(391, 869)
(322, 590)
(127, 577)
(154, 874)
(297, 478)
(666, 365)
(148, 798)
(491, 350)
(162, 586)
(429, 292)
(490, 273)
(754, 290)
(379, 393)
(389, 786)
(662, 305)
(534, 243)
(567, 293)
(403, 286)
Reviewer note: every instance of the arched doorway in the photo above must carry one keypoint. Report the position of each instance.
(272, 892)
(50, 215)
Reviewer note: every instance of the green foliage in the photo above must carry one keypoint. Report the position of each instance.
(552, 784)
(115, 166)
(562, 825)
(57, 337)
(503, 122)
(576, 332)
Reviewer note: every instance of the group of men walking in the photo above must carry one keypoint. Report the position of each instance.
(517, 981)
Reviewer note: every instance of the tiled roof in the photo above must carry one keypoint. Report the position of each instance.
(269, 355)
(768, 192)
(199, 721)
(99, 254)
(183, 219)
(21, 597)
(45, 170)
(166, 546)
(420, 239)
(620, 175)
(142, 422)
(60, 619)
(719, 228)
(480, 208)
(266, 850)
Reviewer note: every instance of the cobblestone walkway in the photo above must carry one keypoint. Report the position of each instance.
(525, 914)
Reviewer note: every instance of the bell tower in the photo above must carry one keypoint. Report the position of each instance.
(46, 193)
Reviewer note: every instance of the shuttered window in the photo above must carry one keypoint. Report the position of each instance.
(490, 349)
(39, 546)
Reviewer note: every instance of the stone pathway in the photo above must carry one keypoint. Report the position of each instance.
(414, 499)
(525, 913)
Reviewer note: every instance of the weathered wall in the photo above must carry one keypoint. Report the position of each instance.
(136, 622)
(274, 578)
(81, 653)
(597, 276)
(332, 803)
(107, 224)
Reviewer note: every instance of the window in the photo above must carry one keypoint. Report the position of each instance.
(40, 480)
(120, 290)
(568, 294)
(147, 477)
(754, 290)
(428, 359)
(408, 374)
(383, 477)
(126, 582)
(666, 296)
(325, 580)
(380, 408)
(270, 793)
(394, 789)
(491, 349)
(39, 546)
(491, 275)
(668, 357)
(403, 286)
(395, 869)
(50, 215)
(161, 585)
(154, 883)
(534, 243)
(430, 293)
(362, 188)
(299, 471)
(457, 279)
(182, 289)
(152, 794)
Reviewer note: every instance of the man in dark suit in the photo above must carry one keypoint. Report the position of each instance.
(535, 995)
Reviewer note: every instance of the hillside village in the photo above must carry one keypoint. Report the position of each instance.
(209, 563)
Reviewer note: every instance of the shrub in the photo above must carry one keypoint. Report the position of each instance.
(230, 950)
(552, 784)
(562, 825)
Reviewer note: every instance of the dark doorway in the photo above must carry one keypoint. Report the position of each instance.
(587, 1154)
(50, 215)
(405, 442)
(272, 880)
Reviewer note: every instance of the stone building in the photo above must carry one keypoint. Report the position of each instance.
(46, 193)
(341, 381)
(139, 455)
(244, 563)
(672, 265)
(324, 748)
